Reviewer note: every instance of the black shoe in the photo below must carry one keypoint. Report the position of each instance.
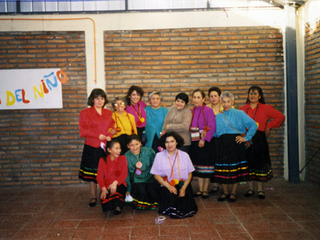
(223, 197)
(93, 202)
(117, 211)
(232, 200)
(198, 194)
(214, 189)
(205, 195)
(261, 195)
(249, 193)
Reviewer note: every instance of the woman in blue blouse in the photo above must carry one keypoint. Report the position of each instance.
(231, 166)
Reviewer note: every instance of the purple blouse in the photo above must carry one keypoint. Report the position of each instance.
(135, 110)
(161, 165)
(198, 120)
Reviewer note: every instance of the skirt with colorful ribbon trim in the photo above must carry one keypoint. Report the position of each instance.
(231, 165)
(114, 200)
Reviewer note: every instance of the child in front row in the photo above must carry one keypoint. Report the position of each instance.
(111, 177)
(141, 184)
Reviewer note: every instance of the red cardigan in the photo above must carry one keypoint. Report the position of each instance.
(110, 171)
(92, 124)
(262, 113)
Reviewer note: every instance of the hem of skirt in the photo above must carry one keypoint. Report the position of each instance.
(144, 205)
(174, 213)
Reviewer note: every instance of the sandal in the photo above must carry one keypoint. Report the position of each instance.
(205, 195)
(223, 197)
(214, 189)
(93, 202)
(249, 193)
(198, 194)
(261, 195)
(232, 200)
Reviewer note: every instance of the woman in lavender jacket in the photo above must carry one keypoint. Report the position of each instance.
(203, 126)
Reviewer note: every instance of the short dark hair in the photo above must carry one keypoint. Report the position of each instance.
(130, 90)
(132, 137)
(173, 134)
(184, 97)
(97, 92)
(200, 91)
(255, 87)
(118, 99)
(216, 89)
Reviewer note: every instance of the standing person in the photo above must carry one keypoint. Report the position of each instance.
(231, 165)
(139, 181)
(112, 174)
(172, 168)
(178, 119)
(155, 114)
(258, 154)
(95, 124)
(202, 127)
(136, 107)
(125, 124)
(215, 104)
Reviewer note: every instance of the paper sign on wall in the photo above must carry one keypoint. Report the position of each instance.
(31, 88)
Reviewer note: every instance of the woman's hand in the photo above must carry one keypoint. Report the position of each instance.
(201, 144)
(113, 187)
(267, 132)
(104, 193)
(102, 137)
(182, 192)
(203, 134)
(163, 132)
(172, 189)
(240, 139)
(108, 138)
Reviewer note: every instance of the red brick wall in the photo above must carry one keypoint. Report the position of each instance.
(312, 112)
(42, 147)
(174, 60)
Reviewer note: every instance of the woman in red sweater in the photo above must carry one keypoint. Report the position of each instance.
(258, 154)
(112, 174)
(97, 127)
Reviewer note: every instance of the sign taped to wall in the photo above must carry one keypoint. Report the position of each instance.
(31, 88)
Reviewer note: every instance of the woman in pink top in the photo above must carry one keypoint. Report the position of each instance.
(136, 107)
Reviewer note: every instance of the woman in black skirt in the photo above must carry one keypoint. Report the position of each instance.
(172, 168)
(96, 126)
(258, 154)
(202, 127)
(231, 166)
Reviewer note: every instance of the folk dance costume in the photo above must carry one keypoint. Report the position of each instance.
(231, 165)
(139, 181)
(108, 172)
(258, 154)
(91, 125)
(202, 158)
(175, 169)
(140, 116)
(154, 126)
(124, 125)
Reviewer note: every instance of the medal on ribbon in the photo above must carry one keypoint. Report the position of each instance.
(138, 164)
(138, 171)
(118, 129)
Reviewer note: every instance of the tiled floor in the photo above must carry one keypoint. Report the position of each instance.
(290, 211)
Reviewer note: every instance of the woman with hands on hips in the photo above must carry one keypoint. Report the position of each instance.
(172, 168)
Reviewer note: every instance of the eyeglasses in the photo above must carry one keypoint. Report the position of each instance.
(119, 104)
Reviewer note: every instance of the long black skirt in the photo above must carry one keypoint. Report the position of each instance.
(89, 163)
(144, 196)
(202, 159)
(259, 158)
(231, 165)
(177, 207)
(114, 200)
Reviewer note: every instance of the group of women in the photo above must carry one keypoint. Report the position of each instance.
(150, 153)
